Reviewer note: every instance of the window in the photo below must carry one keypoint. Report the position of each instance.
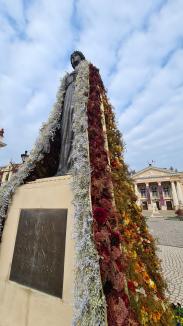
(143, 191)
(166, 190)
(154, 191)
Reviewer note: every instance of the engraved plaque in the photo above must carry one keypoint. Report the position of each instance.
(38, 259)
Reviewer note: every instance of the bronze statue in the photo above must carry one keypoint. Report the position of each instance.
(66, 131)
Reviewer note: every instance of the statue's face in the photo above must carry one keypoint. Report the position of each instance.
(76, 59)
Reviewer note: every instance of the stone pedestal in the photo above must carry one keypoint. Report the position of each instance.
(21, 305)
(163, 208)
(150, 207)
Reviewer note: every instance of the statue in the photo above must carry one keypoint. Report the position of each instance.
(66, 131)
(117, 271)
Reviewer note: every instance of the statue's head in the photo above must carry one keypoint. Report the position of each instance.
(76, 58)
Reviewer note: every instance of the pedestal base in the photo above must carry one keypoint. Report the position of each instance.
(21, 305)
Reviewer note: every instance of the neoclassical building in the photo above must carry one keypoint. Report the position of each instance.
(162, 187)
(7, 171)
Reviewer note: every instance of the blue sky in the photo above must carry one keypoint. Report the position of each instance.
(138, 46)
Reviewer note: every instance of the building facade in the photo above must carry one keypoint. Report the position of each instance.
(7, 171)
(160, 187)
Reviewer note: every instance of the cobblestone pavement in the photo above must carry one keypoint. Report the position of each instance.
(169, 233)
(172, 265)
(168, 230)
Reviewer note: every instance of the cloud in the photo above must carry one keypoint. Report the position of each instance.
(138, 48)
(34, 44)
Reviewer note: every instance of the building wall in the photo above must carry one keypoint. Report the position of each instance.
(159, 189)
(7, 171)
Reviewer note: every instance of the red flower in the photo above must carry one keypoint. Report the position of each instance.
(105, 254)
(105, 203)
(125, 299)
(100, 215)
(102, 236)
(119, 265)
(116, 252)
(118, 281)
(131, 286)
(118, 312)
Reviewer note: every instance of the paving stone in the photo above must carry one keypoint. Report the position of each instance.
(168, 230)
(174, 277)
(169, 234)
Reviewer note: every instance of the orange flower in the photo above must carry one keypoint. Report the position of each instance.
(146, 277)
(138, 268)
(126, 219)
(156, 316)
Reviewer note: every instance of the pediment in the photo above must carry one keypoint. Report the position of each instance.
(152, 172)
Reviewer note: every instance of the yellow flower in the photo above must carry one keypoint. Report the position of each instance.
(144, 317)
(118, 148)
(152, 284)
(134, 254)
(126, 219)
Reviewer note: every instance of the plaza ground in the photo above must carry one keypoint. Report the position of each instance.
(168, 230)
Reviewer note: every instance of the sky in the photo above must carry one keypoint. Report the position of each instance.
(136, 44)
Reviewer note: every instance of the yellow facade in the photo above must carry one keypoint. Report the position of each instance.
(160, 187)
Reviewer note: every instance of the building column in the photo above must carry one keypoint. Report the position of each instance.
(174, 195)
(148, 194)
(137, 194)
(161, 198)
(179, 193)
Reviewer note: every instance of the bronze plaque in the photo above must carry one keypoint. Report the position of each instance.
(38, 259)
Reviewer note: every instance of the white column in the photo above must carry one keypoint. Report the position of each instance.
(137, 194)
(136, 190)
(179, 193)
(149, 205)
(4, 176)
(174, 194)
(161, 197)
(159, 185)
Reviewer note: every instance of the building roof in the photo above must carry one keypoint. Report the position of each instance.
(10, 166)
(155, 172)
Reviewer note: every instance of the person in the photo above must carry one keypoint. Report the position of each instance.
(66, 131)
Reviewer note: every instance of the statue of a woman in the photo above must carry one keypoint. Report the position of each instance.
(66, 132)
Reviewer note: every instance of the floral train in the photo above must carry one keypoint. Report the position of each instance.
(118, 278)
